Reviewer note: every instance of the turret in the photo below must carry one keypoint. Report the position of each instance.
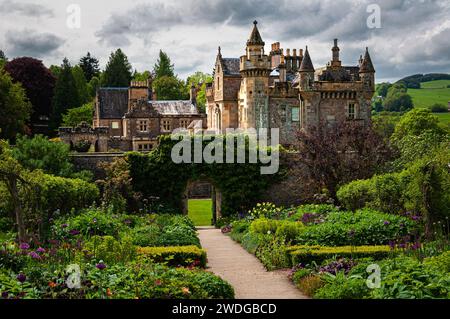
(306, 72)
(255, 44)
(367, 72)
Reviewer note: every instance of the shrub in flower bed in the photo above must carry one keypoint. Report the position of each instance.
(175, 256)
(90, 222)
(280, 228)
(136, 280)
(365, 227)
(307, 254)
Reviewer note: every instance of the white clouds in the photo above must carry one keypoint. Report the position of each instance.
(413, 37)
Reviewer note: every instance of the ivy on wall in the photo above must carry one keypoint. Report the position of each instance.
(158, 178)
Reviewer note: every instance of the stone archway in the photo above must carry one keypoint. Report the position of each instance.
(215, 194)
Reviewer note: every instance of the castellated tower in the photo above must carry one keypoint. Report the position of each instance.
(255, 69)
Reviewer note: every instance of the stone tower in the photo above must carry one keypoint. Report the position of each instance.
(367, 73)
(306, 72)
(255, 69)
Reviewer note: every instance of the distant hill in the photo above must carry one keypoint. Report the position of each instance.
(413, 81)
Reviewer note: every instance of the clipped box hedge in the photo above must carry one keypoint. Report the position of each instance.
(308, 254)
(175, 256)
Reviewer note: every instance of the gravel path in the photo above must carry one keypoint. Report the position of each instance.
(243, 271)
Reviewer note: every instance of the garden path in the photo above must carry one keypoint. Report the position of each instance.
(243, 271)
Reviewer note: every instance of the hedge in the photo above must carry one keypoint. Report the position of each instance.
(309, 254)
(175, 256)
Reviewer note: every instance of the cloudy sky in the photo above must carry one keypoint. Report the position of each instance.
(413, 38)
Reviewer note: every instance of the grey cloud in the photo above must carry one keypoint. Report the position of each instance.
(307, 21)
(31, 43)
(25, 9)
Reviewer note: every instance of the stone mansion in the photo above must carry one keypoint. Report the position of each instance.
(281, 89)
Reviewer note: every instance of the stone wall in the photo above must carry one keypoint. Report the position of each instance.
(90, 161)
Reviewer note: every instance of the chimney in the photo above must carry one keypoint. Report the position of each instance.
(288, 52)
(193, 94)
(294, 52)
(282, 70)
(301, 52)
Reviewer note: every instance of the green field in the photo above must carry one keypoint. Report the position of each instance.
(431, 93)
(200, 211)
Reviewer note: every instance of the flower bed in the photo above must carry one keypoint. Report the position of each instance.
(175, 256)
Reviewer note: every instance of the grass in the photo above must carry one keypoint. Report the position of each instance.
(200, 211)
(431, 93)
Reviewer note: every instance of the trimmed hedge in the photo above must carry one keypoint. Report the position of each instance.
(309, 254)
(175, 256)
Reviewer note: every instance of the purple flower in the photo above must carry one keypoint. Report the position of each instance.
(40, 250)
(415, 217)
(391, 244)
(34, 255)
(64, 226)
(101, 266)
(74, 232)
(5, 295)
(24, 246)
(94, 220)
(21, 277)
(386, 222)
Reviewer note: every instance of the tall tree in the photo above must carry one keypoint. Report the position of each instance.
(199, 79)
(333, 155)
(66, 94)
(92, 86)
(144, 76)
(81, 83)
(15, 108)
(38, 82)
(163, 66)
(90, 66)
(169, 88)
(3, 59)
(118, 71)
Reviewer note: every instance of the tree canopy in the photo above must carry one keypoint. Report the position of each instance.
(163, 66)
(66, 94)
(77, 115)
(169, 88)
(38, 82)
(15, 108)
(118, 71)
(90, 66)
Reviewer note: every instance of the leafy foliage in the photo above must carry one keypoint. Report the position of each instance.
(78, 115)
(118, 71)
(175, 256)
(15, 108)
(37, 81)
(66, 94)
(90, 66)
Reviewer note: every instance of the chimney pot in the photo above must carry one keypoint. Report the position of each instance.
(294, 52)
(288, 52)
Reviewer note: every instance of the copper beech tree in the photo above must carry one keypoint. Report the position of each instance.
(333, 155)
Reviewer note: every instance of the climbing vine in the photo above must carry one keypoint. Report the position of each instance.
(156, 176)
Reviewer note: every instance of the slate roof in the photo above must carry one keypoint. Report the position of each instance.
(231, 66)
(113, 102)
(174, 107)
(367, 65)
(306, 65)
(255, 36)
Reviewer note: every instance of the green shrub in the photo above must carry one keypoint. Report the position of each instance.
(283, 228)
(310, 284)
(289, 230)
(110, 250)
(251, 241)
(90, 222)
(365, 227)
(175, 256)
(146, 236)
(340, 286)
(178, 235)
(272, 253)
(309, 254)
(407, 278)
(438, 108)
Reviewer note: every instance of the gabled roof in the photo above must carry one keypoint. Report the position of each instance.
(255, 36)
(113, 102)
